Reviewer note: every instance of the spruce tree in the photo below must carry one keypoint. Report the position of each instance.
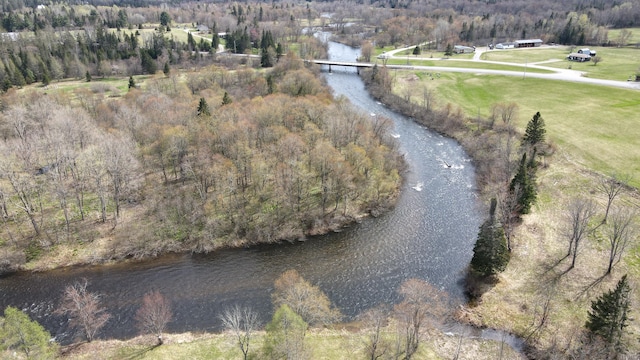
(523, 181)
(215, 40)
(203, 108)
(449, 50)
(490, 253)
(609, 314)
(226, 99)
(534, 134)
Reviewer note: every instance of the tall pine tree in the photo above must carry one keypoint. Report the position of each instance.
(534, 134)
(490, 253)
(523, 186)
(609, 314)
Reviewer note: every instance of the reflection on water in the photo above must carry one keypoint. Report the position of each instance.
(429, 235)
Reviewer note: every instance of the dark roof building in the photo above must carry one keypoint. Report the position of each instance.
(528, 43)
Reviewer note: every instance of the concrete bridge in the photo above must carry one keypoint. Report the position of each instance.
(330, 63)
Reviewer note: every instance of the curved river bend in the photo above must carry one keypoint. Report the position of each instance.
(429, 235)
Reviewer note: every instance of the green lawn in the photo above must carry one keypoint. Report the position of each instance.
(522, 56)
(598, 126)
(465, 64)
(635, 35)
(617, 63)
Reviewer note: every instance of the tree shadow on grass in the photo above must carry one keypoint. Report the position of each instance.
(136, 353)
(593, 284)
(125, 353)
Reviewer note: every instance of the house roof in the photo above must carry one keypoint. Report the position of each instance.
(529, 41)
(577, 55)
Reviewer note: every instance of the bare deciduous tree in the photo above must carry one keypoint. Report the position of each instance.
(507, 112)
(154, 314)
(508, 208)
(611, 187)
(375, 320)
(242, 322)
(619, 232)
(422, 304)
(84, 309)
(578, 214)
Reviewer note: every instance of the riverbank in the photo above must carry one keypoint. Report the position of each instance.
(539, 297)
(101, 250)
(331, 344)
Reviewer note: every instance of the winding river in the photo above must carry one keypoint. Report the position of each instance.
(429, 235)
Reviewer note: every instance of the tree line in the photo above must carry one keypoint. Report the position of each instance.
(389, 332)
(271, 158)
(483, 22)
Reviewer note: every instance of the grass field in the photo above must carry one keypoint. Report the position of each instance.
(464, 64)
(635, 35)
(522, 56)
(321, 344)
(597, 125)
(617, 63)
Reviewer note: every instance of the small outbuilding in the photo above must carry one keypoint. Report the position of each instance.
(528, 43)
(506, 45)
(459, 49)
(587, 51)
(579, 57)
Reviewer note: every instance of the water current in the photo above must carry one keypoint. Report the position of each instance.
(428, 235)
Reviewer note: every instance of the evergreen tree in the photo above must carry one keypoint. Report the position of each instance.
(215, 40)
(203, 107)
(132, 83)
(87, 75)
(18, 332)
(524, 183)
(267, 57)
(271, 86)
(449, 50)
(165, 19)
(490, 253)
(609, 314)
(226, 99)
(534, 134)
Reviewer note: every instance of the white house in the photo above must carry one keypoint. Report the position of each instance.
(507, 45)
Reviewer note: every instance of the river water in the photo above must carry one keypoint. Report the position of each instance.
(429, 235)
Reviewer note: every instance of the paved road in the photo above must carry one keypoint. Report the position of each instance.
(557, 73)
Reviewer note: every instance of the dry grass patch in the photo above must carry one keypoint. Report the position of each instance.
(539, 269)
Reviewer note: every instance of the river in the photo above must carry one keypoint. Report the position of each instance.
(429, 235)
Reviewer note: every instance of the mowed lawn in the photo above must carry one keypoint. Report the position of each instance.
(596, 126)
(616, 63)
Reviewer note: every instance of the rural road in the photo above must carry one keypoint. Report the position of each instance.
(557, 74)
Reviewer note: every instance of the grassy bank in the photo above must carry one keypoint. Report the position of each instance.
(321, 344)
(594, 131)
(596, 126)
